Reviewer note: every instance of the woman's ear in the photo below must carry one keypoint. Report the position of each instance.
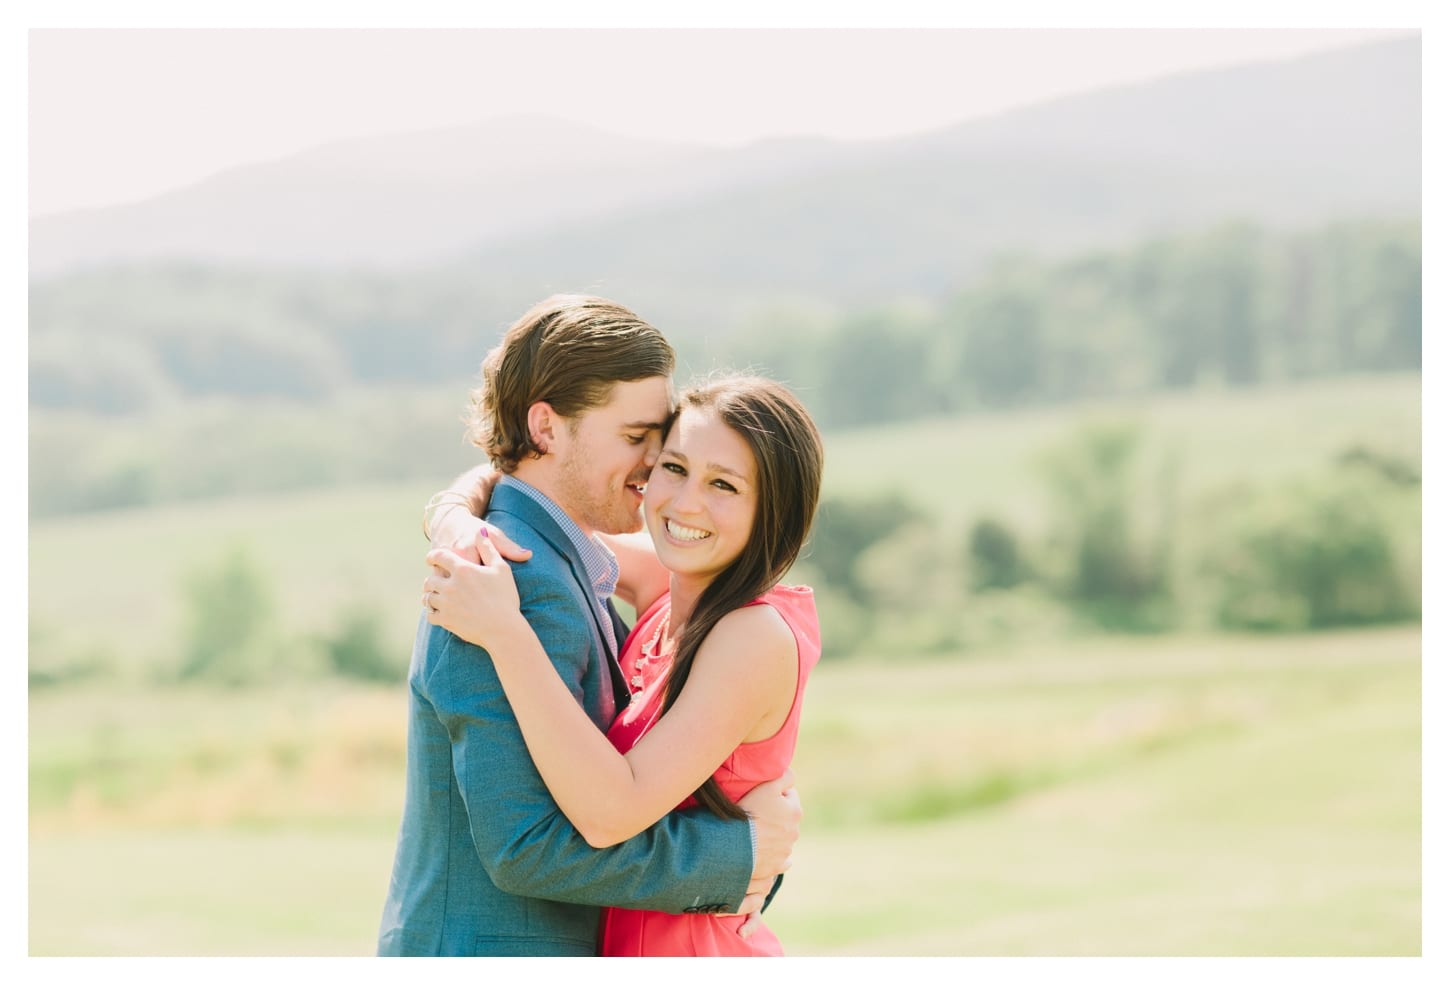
(542, 424)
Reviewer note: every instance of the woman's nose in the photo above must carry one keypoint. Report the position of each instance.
(687, 498)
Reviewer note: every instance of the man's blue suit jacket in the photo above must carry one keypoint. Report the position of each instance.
(486, 863)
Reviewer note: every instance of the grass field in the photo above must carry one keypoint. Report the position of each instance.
(1149, 796)
(1172, 796)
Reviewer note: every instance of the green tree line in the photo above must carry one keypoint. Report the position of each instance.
(1236, 305)
(155, 385)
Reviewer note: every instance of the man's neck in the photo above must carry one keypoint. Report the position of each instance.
(539, 474)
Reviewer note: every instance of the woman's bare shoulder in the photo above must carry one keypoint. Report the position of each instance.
(754, 633)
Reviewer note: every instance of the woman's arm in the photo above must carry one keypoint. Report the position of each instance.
(740, 689)
(451, 517)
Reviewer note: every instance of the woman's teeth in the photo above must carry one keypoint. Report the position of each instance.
(684, 533)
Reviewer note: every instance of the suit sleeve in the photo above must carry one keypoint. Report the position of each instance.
(690, 860)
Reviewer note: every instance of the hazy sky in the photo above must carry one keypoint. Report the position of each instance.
(120, 115)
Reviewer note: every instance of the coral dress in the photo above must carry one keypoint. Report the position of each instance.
(627, 933)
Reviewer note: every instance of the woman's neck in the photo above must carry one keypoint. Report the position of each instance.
(685, 594)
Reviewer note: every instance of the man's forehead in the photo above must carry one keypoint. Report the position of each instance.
(642, 425)
(641, 403)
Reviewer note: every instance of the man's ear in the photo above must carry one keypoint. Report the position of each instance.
(543, 425)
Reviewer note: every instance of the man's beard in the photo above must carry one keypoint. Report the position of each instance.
(601, 510)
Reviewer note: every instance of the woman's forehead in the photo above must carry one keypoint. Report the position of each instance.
(699, 432)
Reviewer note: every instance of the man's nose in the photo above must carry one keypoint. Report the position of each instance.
(652, 447)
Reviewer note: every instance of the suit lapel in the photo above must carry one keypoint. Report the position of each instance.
(524, 507)
(621, 633)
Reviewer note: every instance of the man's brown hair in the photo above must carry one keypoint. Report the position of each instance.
(568, 350)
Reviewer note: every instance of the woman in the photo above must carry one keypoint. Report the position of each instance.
(717, 663)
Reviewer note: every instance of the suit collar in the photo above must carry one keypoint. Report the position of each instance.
(599, 562)
(511, 499)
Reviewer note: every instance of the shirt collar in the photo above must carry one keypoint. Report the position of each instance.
(599, 562)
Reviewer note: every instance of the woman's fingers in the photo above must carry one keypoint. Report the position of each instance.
(468, 598)
(504, 546)
(487, 551)
(442, 560)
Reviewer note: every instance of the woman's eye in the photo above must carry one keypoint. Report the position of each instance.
(674, 467)
(722, 484)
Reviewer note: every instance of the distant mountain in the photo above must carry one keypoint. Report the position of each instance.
(405, 199)
(1305, 140)
(1292, 143)
(1350, 113)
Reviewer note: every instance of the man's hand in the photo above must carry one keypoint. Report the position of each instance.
(753, 920)
(776, 808)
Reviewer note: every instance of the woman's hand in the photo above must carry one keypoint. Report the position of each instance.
(475, 602)
(450, 520)
(457, 530)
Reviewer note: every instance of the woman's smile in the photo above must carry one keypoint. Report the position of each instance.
(680, 531)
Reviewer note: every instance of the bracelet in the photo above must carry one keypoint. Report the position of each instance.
(437, 502)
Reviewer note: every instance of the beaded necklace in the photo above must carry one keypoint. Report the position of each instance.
(649, 652)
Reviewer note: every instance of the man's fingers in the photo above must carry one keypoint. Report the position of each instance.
(787, 780)
(751, 904)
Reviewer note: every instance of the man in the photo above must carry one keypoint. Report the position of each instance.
(571, 413)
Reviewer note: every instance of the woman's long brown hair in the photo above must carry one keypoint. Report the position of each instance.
(789, 460)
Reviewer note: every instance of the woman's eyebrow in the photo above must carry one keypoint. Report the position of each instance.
(726, 469)
(709, 466)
